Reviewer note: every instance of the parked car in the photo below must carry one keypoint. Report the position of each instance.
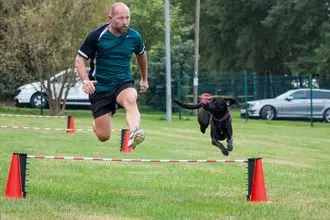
(291, 104)
(32, 95)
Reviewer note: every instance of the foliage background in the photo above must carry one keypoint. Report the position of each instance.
(272, 39)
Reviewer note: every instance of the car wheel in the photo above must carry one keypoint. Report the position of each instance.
(38, 100)
(326, 115)
(267, 112)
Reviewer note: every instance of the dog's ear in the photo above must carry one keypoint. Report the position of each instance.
(176, 100)
(203, 120)
(230, 101)
(186, 105)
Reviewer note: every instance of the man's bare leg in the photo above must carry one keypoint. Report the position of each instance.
(102, 127)
(127, 99)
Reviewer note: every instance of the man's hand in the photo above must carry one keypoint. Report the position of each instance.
(88, 86)
(144, 86)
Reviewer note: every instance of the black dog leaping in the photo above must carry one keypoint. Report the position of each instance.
(216, 112)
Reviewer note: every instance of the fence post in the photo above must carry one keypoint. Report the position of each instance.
(179, 91)
(310, 83)
(245, 94)
(255, 87)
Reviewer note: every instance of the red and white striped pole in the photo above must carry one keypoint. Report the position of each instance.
(136, 160)
(33, 116)
(49, 129)
(17, 182)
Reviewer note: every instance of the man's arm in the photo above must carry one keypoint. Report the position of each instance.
(142, 61)
(80, 64)
(88, 86)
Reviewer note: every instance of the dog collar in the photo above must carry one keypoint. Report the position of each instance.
(221, 119)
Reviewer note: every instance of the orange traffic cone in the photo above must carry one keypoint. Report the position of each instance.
(14, 184)
(124, 142)
(258, 191)
(70, 127)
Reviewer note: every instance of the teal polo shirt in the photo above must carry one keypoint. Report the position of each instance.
(111, 56)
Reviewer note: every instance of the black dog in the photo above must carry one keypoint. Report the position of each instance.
(216, 111)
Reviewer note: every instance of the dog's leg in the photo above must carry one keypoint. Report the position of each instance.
(220, 146)
(229, 135)
(230, 145)
(215, 137)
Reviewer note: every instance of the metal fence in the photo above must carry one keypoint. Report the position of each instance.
(242, 86)
(249, 86)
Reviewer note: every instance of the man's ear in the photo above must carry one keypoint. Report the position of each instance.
(230, 101)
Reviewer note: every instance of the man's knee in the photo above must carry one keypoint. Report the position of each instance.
(103, 136)
(129, 101)
(101, 127)
(127, 97)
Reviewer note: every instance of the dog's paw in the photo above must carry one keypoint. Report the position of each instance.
(225, 152)
(230, 147)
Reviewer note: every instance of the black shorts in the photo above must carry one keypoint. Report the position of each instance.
(105, 102)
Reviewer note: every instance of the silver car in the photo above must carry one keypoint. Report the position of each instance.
(291, 104)
(30, 94)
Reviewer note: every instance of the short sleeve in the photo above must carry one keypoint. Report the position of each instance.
(89, 47)
(140, 47)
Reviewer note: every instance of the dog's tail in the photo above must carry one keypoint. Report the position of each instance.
(187, 106)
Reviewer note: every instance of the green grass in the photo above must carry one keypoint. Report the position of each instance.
(296, 163)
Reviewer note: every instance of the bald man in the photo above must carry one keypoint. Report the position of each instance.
(109, 82)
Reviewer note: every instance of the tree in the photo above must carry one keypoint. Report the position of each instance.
(297, 31)
(48, 33)
(234, 39)
(148, 19)
(267, 37)
(182, 68)
(42, 37)
(14, 59)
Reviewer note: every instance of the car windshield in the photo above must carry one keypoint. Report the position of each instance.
(284, 95)
(303, 94)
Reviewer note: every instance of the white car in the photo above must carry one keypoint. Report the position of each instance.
(294, 103)
(31, 94)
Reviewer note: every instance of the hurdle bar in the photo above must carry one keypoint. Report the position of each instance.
(33, 116)
(70, 124)
(16, 182)
(49, 129)
(136, 160)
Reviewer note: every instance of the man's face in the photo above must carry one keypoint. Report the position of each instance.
(120, 20)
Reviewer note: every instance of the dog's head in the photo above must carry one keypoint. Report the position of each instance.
(218, 107)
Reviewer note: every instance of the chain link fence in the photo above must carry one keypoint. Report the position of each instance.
(248, 86)
(242, 86)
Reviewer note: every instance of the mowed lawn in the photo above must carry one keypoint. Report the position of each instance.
(296, 165)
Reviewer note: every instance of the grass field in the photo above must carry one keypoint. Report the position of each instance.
(296, 164)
